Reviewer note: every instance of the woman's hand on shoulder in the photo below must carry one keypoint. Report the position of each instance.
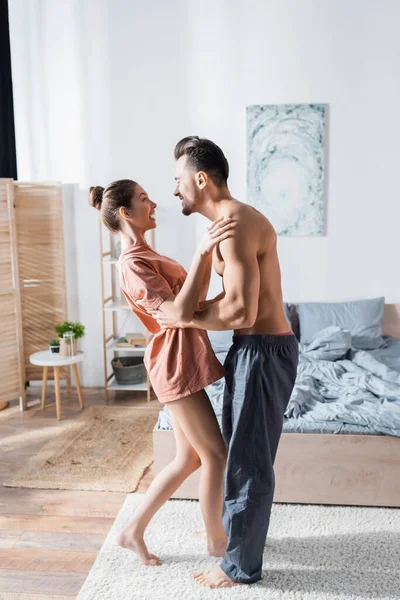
(219, 230)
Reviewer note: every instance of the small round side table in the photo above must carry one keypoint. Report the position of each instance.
(48, 359)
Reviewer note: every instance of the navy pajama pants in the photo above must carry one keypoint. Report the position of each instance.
(261, 371)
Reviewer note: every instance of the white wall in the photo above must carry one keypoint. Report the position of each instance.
(344, 53)
(104, 88)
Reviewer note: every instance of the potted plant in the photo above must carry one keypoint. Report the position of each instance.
(69, 333)
(55, 346)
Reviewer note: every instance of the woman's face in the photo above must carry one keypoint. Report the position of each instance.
(142, 213)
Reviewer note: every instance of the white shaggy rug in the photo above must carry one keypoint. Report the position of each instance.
(312, 553)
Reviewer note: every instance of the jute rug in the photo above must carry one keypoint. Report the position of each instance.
(107, 449)
(312, 553)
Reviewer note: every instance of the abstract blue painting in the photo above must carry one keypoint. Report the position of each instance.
(285, 165)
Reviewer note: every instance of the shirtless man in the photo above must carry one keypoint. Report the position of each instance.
(262, 361)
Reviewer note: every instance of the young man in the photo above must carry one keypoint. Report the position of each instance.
(261, 364)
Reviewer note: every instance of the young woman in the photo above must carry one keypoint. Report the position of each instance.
(180, 362)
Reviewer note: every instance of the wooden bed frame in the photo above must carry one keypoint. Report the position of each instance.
(313, 468)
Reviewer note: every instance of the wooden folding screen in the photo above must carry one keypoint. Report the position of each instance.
(40, 244)
(12, 382)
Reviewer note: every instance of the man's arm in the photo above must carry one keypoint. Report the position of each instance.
(206, 303)
(238, 307)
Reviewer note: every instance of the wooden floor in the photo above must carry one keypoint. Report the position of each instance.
(49, 539)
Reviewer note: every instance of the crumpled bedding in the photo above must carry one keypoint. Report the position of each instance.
(338, 389)
(337, 384)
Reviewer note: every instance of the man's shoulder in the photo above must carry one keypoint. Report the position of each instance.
(249, 217)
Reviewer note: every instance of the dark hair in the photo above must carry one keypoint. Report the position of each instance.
(204, 155)
(110, 199)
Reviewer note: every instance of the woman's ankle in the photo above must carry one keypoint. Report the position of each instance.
(135, 530)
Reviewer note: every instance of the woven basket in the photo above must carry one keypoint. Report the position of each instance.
(133, 370)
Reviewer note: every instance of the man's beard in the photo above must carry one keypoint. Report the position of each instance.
(186, 211)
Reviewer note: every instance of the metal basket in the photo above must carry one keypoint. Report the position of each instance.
(133, 370)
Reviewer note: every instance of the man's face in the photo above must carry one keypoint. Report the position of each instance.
(186, 186)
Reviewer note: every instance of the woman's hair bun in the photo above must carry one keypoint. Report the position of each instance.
(96, 196)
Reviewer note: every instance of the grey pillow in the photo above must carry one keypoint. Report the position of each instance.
(363, 318)
(286, 306)
(293, 318)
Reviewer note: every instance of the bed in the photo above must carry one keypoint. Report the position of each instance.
(342, 448)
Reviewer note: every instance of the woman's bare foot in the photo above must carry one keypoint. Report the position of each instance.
(217, 548)
(213, 578)
(130, 541)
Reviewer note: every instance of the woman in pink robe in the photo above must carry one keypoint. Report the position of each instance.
(180, 362)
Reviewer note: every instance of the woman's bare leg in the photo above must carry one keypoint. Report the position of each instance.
(161, 489)
(198, 422)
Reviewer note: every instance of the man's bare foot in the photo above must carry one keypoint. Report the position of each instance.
(128, 540)
(214, 548)
(214, 578)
